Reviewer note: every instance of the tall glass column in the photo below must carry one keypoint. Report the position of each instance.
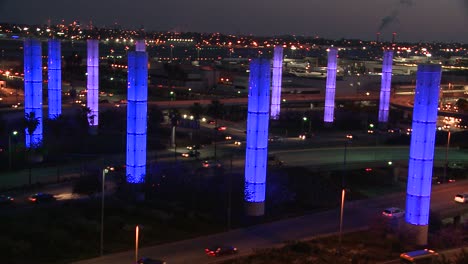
(54, 70)
(418, 193)
(92, 97)
(385, 86)
(33, 92)
(137, 116)
(331, 84)
(276, 82)
(257, 136)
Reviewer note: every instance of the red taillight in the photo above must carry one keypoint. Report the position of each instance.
(32, 199)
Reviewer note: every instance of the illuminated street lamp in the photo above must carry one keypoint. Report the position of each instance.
(349, 137)
(104, 172)
(137, 233)
(447, 151)
(14, 133)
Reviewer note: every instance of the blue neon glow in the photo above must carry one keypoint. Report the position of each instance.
(137, 116)
(54, 70)
(421, 160)
(331, 84)
(385, 86)
(140, 45)
(92, 97)
(276, 82)
(33, 89)
(257, 130)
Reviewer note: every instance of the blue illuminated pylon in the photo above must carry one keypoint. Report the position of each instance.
(385, 86)
(140, 45)
(257, 136)
(92, 96)
(136, 116)
(331, 84)
(54, 70)
(421, 158)
(276, 82)
(33, 91)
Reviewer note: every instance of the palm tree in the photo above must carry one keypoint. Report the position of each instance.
(216, 109)
(31, 122)
(197, 110)
(174, 117)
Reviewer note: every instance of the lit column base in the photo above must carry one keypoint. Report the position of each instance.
(328, 124)
(417, 234)
(93, 130)
(255, 209)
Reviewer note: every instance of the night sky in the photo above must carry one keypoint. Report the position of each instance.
(413, 20)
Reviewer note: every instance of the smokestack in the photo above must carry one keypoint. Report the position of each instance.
(393, 37)
(377, 37)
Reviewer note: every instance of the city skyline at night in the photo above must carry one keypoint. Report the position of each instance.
(413, 20)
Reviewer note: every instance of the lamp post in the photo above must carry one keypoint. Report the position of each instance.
(349, 137)
(104, 172)
(137, 232)
(446, 153)
(14, 133)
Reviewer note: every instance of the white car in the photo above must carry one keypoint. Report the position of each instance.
(393, 212)
(461, 198)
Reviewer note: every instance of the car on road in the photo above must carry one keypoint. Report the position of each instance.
(146, 260)
(275, 139)
(306, 136)
(211, 164)
(461, 198)
(220, 250)
(41, 197)
(221, 128)
(5, 199)
(194, 147)
(427, 256)
(393, 212)
(191, 153)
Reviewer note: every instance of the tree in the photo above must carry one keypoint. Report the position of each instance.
(197, 110)
(31, 122)
(216, 110)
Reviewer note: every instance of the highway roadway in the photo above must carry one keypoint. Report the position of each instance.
(358, 214)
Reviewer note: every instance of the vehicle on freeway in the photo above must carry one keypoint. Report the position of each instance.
(423, 256)
(194, 147)
(440, 180)
(211, 164)
(220, 250)
(221, 128)
(211, 122)
(237, 143)
(41, 197)
(146, 260)
(306, 136)
(5, 199)
(274, 160)
(461, 198)
(275, 139)
(393, 212)
(191, 153)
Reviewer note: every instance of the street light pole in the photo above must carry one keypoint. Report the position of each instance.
(343, 192)
(10, 159)
(104, 171)
(137, 232)
(446, 155)
(229, 196)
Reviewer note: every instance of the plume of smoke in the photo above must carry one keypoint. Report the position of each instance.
(393, 17)
(387, 20)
